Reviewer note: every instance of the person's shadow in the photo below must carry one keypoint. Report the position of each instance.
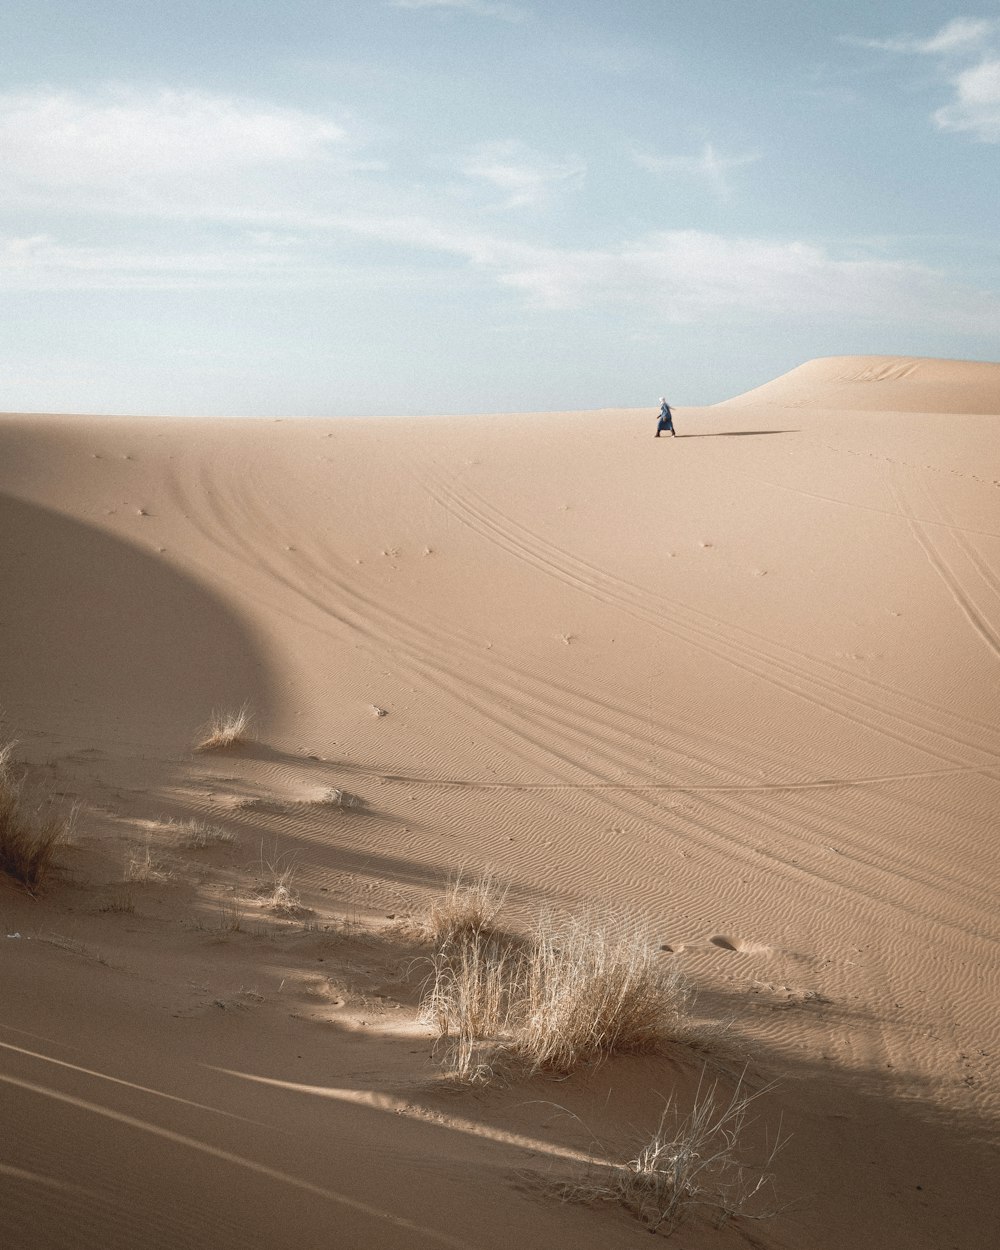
(737, 433)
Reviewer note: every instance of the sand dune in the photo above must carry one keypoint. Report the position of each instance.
(743, 681)
(884, 384)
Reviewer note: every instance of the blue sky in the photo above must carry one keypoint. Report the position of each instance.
(415, 206)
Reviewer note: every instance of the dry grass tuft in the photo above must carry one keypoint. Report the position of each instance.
(467, 908)
(230, 916)
(143, 866)
(472, 1000)
(273, 884)
(574, 992)
(699, 1160)
(121, 900)
(29, 835)
(596, 988)
(227, 729)
(198, 835)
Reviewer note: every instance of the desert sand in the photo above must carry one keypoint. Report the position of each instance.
(744, 681)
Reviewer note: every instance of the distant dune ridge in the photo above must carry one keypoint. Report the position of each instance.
(740, 685)
(885, 383)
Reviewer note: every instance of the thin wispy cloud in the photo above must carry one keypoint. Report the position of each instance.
(523, 176)
(677, 277)
(709, 164)
(962, 34)
(975, 107)
(687, 275)
(41, 262)
(479, 8)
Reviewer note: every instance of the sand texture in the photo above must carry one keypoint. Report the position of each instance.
(743, 681)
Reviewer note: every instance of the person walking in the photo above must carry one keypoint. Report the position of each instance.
(665, 421)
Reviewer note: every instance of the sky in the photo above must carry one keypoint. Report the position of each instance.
(365, 207)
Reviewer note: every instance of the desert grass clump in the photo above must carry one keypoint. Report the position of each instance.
(573, 992)
(29, 835)
(273, 884)
(121, 900)
(227, 729)
(594, 988)
(474, 994)
(698, 1160)
(142, 866)
(230, 916)
(199, 835)
(467, 908)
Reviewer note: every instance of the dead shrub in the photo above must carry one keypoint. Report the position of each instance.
(227, 729)
(199, 835)
(465, 909)
(595, 988)
(698, 1160)
(573, 992)
(30, 831)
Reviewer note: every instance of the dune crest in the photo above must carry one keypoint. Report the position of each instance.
(884, 383)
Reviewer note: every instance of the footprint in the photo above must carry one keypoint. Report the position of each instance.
(724, 943)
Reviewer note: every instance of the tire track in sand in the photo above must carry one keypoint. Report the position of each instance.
(783, 667)
(952, 582)
(529, 729)
(989, 577)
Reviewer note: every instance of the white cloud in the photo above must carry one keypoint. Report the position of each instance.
(220, 191)
(976, 108)
(709, 164)
(689, 275)
(525, 177)
(481, 8)
(961, 34)
(680, 276)
(123, 136)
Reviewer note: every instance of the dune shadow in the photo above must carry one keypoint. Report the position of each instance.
(101, 639)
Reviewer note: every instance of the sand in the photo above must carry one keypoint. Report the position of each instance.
(744, 681)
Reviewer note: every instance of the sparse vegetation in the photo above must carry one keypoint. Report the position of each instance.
(466, 908)
(474, 999)
(121, 899)
(227, 729)
(29, 834)
(595, 988)
(198, 835)
(699, 1160)
(230, 916)
(143, 866)
(273, 885)
(574, 992)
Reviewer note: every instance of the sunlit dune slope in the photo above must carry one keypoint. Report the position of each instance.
(884, 383)
(743, 682)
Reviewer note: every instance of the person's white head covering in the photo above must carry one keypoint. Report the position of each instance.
(663, 399)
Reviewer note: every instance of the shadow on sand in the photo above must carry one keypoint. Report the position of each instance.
(737, 433)
(91, 636)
